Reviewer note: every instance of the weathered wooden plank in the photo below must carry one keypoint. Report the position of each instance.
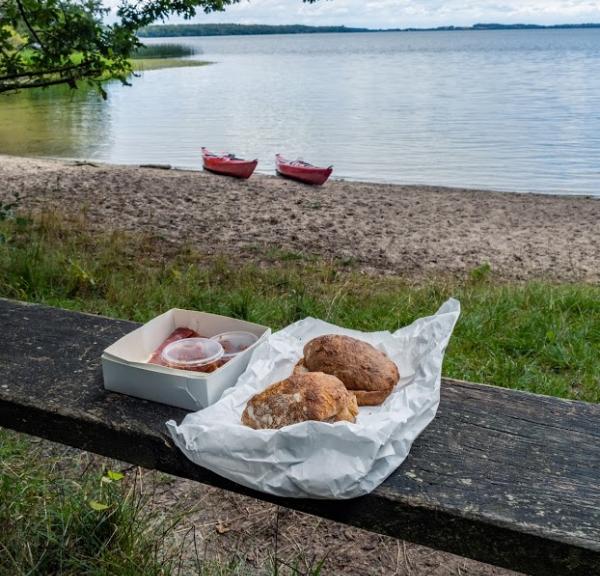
(500, 476)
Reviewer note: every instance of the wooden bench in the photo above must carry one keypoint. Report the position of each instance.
(504, 477)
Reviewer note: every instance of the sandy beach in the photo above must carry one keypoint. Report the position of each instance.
(413, 231)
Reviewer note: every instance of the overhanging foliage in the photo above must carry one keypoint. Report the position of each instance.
(48, 42)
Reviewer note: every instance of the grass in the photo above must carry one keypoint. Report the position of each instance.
(532, 336)
(159, 56)
(159, 64)
(163, 51)
(66, 512)
(79, 521)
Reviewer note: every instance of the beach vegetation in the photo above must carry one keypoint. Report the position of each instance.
(152, 51)
(481, 273)
(159, 56)
(145, 64)
(537, 336)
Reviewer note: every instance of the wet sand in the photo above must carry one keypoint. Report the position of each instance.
(414, 231)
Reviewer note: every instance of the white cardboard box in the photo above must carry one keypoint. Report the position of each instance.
(125, 368)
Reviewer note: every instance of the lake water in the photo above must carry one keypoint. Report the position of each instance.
(508, 110)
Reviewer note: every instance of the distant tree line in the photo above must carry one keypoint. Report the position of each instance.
(167, 30)
(532, 26)
(237, 30)
(492, 26)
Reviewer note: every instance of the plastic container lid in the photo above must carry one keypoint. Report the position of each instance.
(234, 342)
(192, 353)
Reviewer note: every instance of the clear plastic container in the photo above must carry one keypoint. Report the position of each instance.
(234, 342)
(197, 354)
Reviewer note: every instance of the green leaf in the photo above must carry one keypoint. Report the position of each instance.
(21, 221)
(99, 506)
(115, 475)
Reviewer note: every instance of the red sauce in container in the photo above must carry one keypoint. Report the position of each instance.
(195, 354)
(177, 334)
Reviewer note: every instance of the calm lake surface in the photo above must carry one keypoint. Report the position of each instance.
(508, 110)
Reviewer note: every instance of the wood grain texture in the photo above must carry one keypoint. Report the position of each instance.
(500, 476)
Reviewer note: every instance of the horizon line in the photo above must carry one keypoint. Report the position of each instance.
(476, 26)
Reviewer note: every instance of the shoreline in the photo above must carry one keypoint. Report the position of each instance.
(412, 231)
(351, 180)
(333, 178)
(81, 161)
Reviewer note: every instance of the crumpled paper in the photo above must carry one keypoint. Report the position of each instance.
(317, 459)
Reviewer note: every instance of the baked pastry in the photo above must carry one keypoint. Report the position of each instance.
(310, 396)
(363, 369)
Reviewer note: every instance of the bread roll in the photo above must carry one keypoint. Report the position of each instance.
(311, 396)
(363, 369)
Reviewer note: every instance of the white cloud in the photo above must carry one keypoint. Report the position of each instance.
(405, 13)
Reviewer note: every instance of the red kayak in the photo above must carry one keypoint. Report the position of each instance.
(302, 171)
(228, 165)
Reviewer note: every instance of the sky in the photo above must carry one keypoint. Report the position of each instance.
(404, 13)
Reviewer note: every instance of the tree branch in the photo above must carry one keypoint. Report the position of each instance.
(82, 65)
(39, 84)
(29, 26)
(44, 72)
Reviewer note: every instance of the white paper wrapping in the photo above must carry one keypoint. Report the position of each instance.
(317, 459)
